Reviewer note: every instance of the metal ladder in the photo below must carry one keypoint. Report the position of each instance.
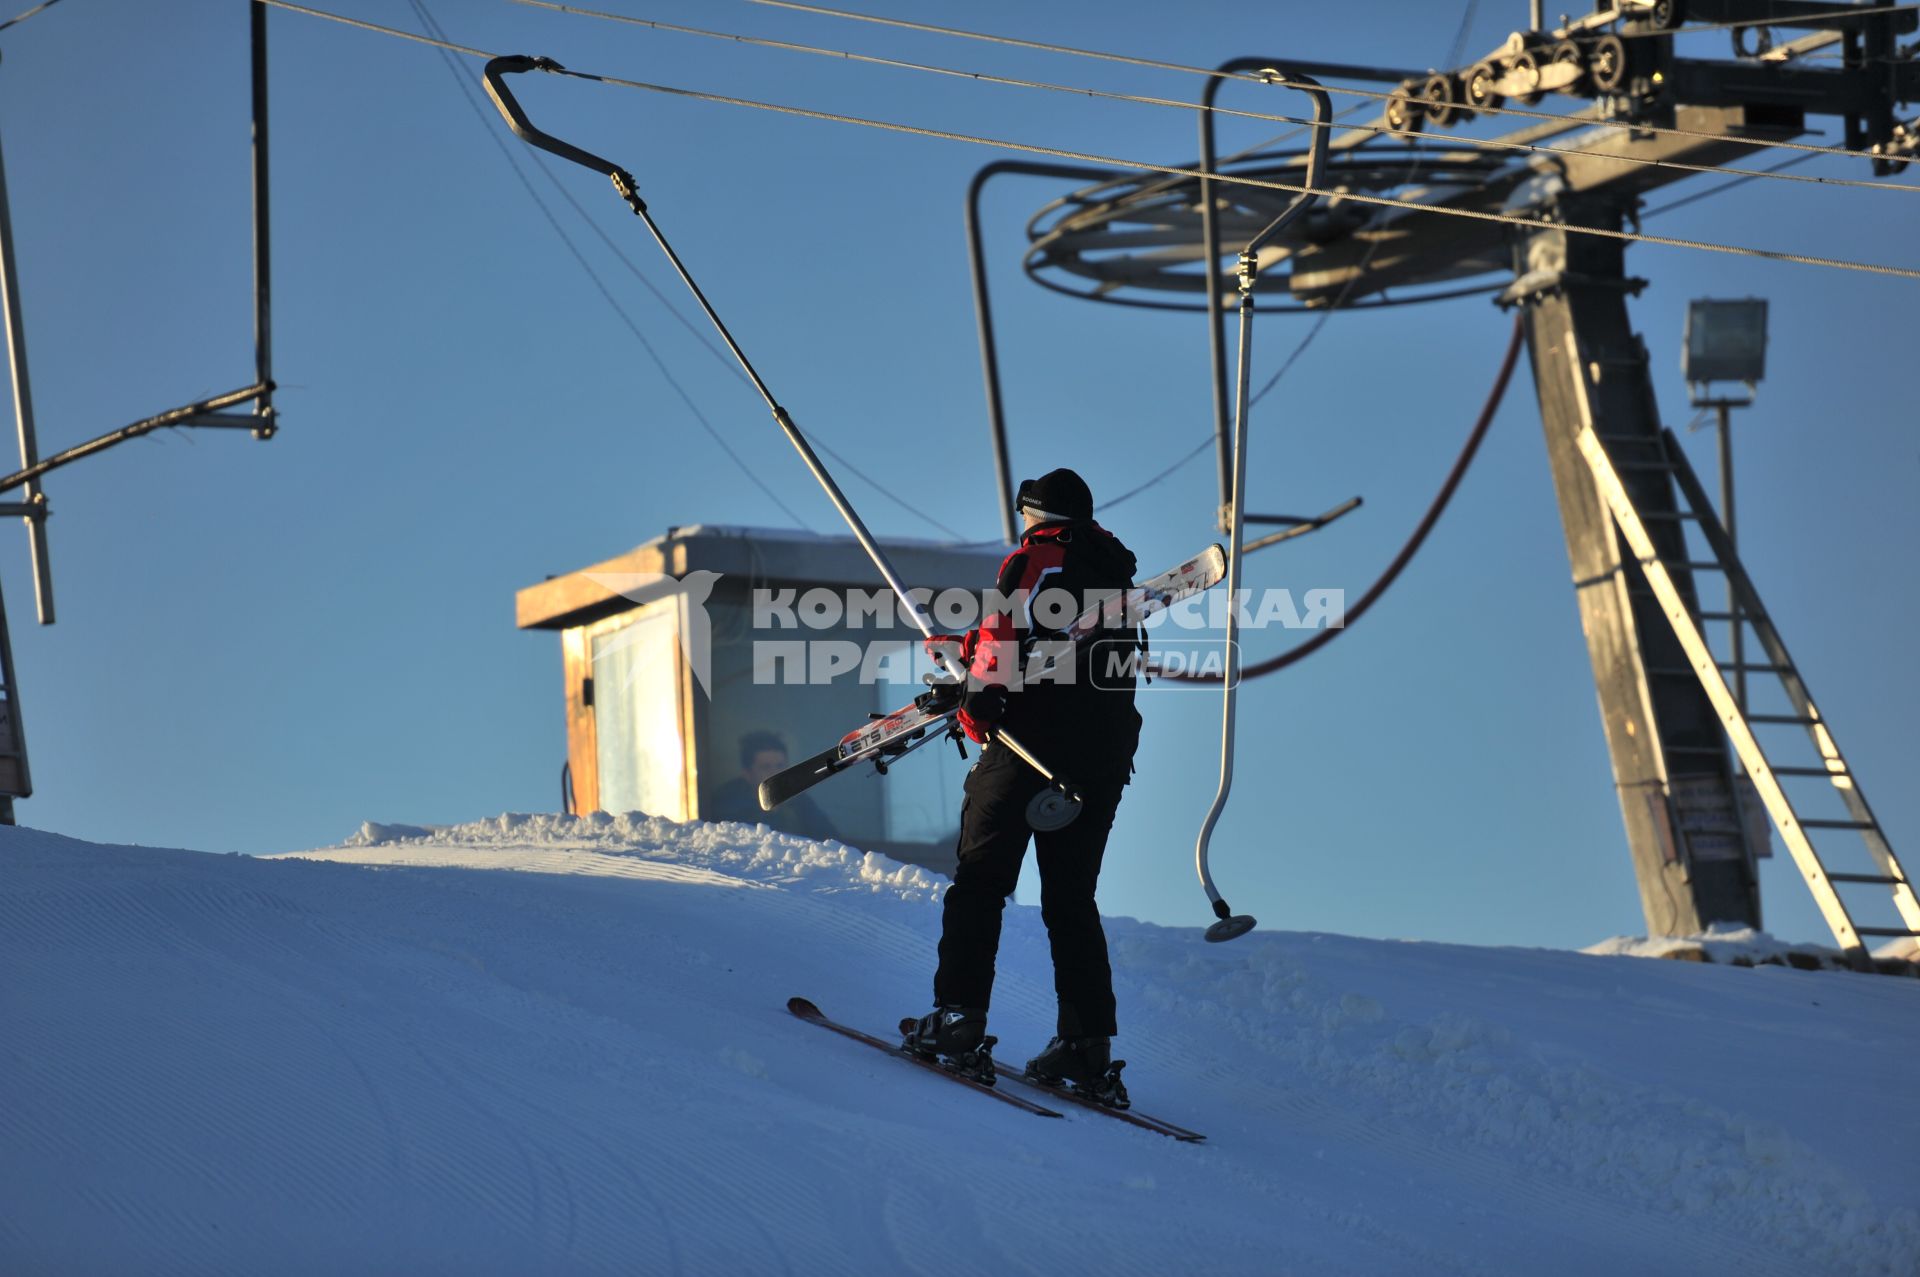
(1794, 830)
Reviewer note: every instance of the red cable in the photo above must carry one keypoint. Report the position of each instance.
(1275, 664)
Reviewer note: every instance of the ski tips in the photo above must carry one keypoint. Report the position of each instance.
(805, 1009)
(1230, 928)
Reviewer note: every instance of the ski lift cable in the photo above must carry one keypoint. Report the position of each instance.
(888, 126)
(1697, 196)
(1380, 129)
(1254, 78)
(1798, 20)
(434, 28)
(1087, 157)
(733, 369)
(18, 18)
(612, 301)
(1130, 493)
(1277, 139)
(1304, 126)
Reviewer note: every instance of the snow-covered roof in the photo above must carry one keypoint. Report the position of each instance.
(764, 555)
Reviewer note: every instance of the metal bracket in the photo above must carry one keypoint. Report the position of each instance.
(34, 507)
(515, 63)
(1545, 282)
(1303, 526)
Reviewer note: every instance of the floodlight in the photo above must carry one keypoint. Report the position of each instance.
(1725, 341)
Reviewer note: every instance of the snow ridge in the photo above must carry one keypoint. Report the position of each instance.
(747, 853)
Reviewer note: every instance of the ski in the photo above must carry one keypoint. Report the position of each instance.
(813, 1015)
(1129, 1116)
(927, 717)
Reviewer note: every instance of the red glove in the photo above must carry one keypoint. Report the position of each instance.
(982, 711)
(952, 653)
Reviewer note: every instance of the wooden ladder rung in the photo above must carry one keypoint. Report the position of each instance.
(1885, 931)
(1800, 720)
(1882, 879)
(1808, 771)
(1836, 824)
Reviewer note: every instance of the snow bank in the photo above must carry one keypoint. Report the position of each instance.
(1726, 942)
(542, 1044)
(577, 844)
(1743, 946)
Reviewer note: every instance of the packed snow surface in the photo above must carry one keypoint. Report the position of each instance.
(548, 1045)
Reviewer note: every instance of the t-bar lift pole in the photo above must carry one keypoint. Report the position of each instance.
(1054, 807)
(1230, 925)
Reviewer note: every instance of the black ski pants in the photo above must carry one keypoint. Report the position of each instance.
(993, 842)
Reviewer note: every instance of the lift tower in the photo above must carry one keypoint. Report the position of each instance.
(1639, 527)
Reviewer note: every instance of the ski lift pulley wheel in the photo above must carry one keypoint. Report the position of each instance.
(1479, 86)
(1052, 808)
(1608, 63)
(1526, 68)
(1442, 94)
(1569, 53)
(1405, 114)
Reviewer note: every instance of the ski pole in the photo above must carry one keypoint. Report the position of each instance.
(1229, 925)
(1052, 808)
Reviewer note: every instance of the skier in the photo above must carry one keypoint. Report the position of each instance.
(1085, 726)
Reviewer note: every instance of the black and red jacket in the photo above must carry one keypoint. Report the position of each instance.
(1088, 722)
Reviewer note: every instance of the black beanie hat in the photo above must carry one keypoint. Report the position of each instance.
(1060, 492)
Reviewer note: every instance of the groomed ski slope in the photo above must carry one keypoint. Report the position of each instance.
(547, 1045)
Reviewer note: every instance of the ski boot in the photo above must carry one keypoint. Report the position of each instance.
(1081, 1065)
(955, 1037)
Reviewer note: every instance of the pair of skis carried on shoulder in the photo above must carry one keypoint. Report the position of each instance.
(930, 716)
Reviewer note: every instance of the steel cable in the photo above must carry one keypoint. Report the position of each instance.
(1710, 191)
(985, 77)
(888, 126)
(1801, 20)
(18, 18)
(606, 293)
(434, 28)
(1159, 65)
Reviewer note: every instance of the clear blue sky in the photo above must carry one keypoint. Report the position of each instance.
(261, 645)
